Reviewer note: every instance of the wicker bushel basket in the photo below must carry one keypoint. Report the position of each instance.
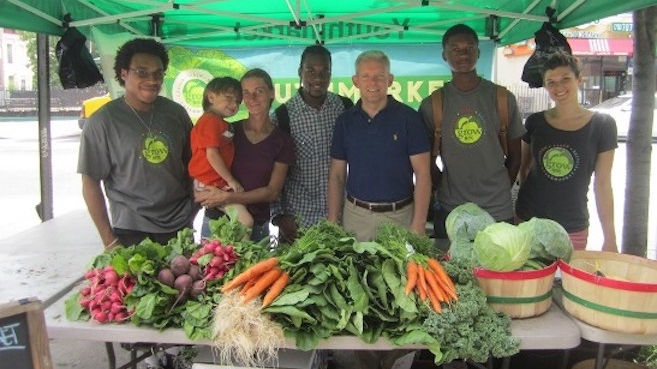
(612, 291)
(519, 294)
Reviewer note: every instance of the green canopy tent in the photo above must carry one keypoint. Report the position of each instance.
(260, 23)
(244, 23)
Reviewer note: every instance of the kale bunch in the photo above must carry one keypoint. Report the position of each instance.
(470, 329)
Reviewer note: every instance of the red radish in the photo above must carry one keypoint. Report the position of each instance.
(208, 247)
(215, 262)
(90, 274)
(101, 317)
(115, 297)
(84, 302)
(111, 277)
(116, 307)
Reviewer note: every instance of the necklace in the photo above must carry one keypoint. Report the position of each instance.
(150, 122)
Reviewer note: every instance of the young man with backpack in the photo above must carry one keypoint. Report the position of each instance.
(309, 116)
(476, 129)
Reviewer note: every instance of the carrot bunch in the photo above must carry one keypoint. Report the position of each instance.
(258, 278)
(430, 281)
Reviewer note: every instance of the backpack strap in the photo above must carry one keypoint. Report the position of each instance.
(503, 112)
(437, 108)
(282, 118)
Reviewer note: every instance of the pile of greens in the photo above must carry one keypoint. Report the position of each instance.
(470, 329)
(344, 287)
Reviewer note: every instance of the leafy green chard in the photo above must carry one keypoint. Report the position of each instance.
(348, 288)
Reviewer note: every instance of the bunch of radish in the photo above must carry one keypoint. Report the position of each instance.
(103, 296)
(189, 276)
(214, 258)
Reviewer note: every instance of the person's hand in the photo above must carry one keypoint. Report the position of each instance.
(116, 242)
(287, 228)
(418, 229)
(211, 197)
(235, 186)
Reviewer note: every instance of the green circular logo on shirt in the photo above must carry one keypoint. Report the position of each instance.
(155, 149)
(558, 162)
(468, 130)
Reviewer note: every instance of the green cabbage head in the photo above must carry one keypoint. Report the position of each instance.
(548, 239)
(466, 220)
(462, 249)
(502, 247)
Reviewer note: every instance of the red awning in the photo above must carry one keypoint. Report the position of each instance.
(601, 46)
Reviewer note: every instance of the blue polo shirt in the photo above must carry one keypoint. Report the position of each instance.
(378, 150)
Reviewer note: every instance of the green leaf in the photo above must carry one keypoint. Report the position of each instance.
(290, 311)
(357, 321)
(376, 279)
(146, 306)
(337, 299)
(289, 299)
(393, 280)
(372, 248)
(73, 309)
(356, 291)
(345, 316)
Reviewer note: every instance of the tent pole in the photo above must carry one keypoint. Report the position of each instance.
(45, 207)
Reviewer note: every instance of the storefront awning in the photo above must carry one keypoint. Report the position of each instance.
(601, 46)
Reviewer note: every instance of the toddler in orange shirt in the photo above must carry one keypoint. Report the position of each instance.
(212, 145)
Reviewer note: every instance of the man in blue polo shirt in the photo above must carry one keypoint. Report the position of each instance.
(383, 143)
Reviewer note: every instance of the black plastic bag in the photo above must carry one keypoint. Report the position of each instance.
(548, 40)
(77, 68)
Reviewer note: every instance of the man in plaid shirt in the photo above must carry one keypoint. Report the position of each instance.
(312, 113)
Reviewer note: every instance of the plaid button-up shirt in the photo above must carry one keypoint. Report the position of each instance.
(306, 186)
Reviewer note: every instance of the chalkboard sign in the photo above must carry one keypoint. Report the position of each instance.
(23, 335)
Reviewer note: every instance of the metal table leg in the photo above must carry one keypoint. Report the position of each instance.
(111, 357)
(600, 356)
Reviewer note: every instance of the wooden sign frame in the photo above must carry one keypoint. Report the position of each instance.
(39, 345)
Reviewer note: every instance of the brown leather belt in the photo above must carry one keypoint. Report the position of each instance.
(380, 207)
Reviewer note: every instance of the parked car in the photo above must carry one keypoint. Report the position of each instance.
(620, 108)
(89, 106)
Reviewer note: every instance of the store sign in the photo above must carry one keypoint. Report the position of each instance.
(622, 27)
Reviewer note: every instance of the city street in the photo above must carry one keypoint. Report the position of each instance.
(20, 193)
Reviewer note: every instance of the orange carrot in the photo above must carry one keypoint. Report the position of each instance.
(422, 283)
(253, 272)
(247, 285)
(434, 287)
(435, 302)
(441, 274)
(261, 285)
(276, 288)
(411, 276)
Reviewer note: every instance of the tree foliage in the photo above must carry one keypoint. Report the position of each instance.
(30, 39)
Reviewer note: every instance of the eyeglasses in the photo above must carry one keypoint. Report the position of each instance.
(158, 75)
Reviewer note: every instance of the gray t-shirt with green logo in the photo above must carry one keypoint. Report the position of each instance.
(471, 154)
(142, 163)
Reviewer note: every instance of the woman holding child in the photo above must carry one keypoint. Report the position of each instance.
(263, 154)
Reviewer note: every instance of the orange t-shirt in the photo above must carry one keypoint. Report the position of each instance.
(210, 131)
